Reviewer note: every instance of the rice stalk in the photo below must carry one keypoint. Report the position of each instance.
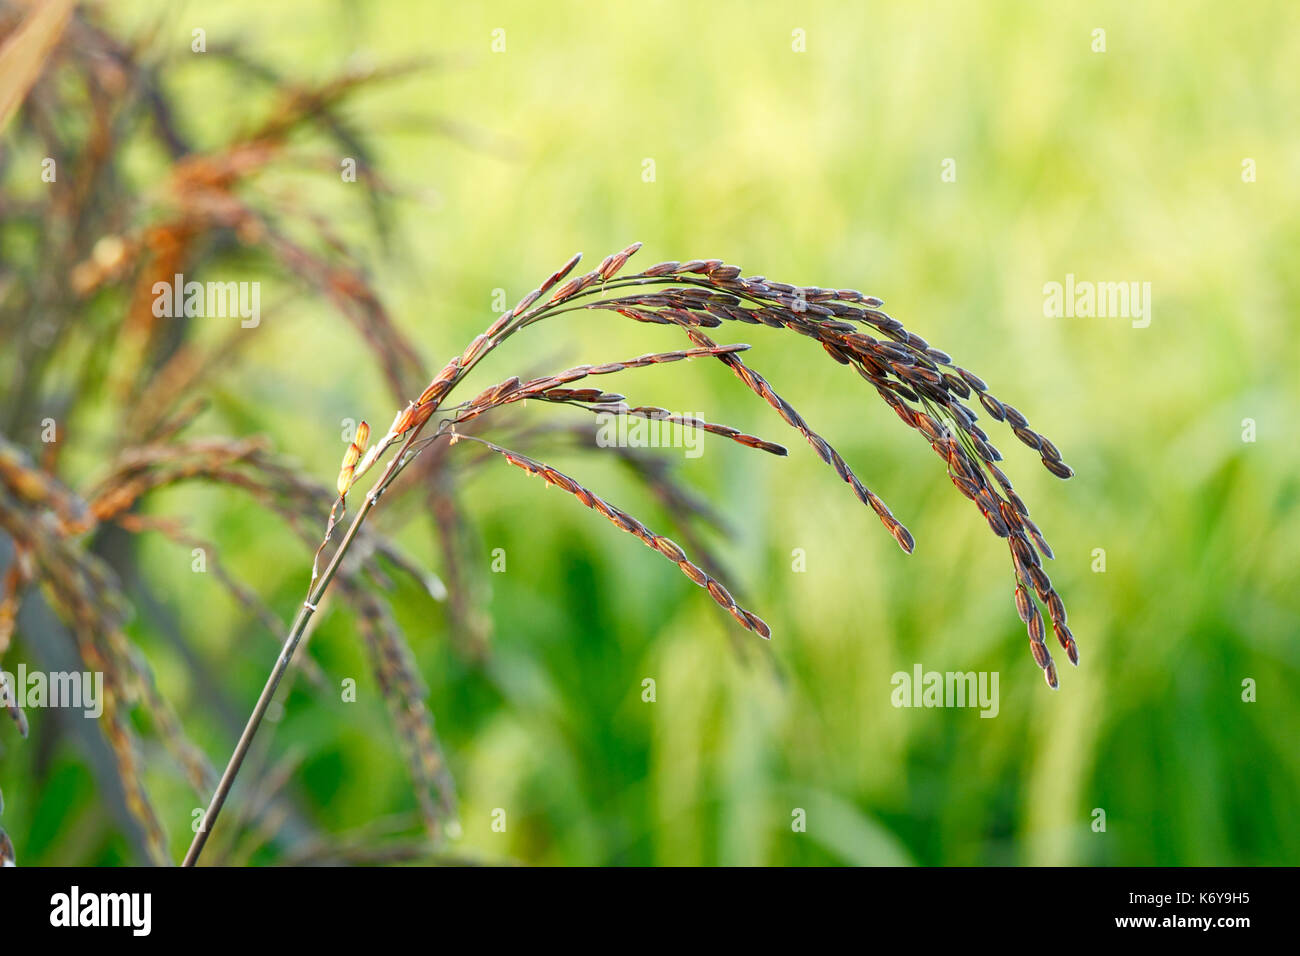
(920, 383)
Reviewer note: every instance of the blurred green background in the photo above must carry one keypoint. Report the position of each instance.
(821, 167)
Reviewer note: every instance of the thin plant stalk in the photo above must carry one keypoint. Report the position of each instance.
(314, 597)
(268, 692)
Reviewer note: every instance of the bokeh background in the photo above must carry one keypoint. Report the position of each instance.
(821, 167)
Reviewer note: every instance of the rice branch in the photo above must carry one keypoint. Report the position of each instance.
(922, 385)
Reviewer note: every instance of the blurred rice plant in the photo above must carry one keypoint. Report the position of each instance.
(91, 366)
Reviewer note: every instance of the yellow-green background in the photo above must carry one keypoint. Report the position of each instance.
(822, 167)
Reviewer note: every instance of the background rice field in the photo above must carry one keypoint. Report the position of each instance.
(823, 167)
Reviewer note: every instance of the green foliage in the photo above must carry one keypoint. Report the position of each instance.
(822, 167)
